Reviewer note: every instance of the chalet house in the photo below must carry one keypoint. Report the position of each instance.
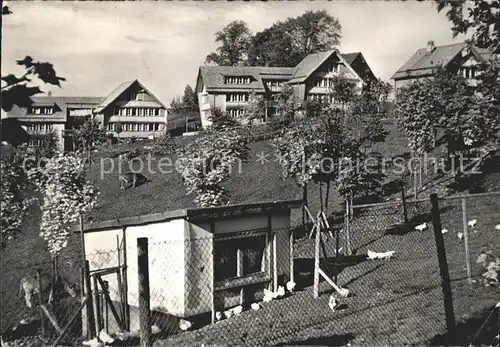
(128, 111)
(229, 87)
(461, 58)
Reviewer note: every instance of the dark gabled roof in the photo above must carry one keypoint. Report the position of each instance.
(309, 64)
(213, 76)
(122, 87)
(314, 60)
(192, 214)
(350, 57)
(424, 63)
(61, 101)
(119, 90)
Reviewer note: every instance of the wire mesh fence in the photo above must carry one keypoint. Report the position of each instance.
(257, 287)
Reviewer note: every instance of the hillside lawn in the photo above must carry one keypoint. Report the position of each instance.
(409, 307)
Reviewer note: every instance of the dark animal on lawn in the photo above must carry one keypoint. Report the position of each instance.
(30, 286)
(131, 178)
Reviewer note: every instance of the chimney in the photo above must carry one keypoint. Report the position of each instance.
(430, 46)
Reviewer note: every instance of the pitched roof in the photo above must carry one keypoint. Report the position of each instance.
(423, 63)
(213, 76)
(310, 63)
(122, 87)
(65, 100)
(350, 57)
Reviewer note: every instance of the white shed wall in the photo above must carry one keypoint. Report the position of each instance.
(199, 270)
(166, 265)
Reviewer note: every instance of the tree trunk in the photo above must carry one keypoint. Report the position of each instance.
(321, 195)
(327, 197)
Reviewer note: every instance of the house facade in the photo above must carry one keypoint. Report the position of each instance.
(229, 88)
(460, 58)
(130, 110)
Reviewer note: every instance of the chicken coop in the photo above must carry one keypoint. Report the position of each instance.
(201, 260)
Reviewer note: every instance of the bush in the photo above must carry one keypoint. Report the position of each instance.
(163, 145)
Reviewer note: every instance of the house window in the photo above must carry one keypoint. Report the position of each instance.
(240, 257)
(237, 80)
(151, 127)
(141, 112)
(237, 97)
(236, 112)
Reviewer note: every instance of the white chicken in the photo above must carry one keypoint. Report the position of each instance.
(421, 227)
(382, 255)
(155, 329)
(228, 314)
(93, 343)
(472, 223)
(497, 227)
(104, 337)
(460, 236)
(185, 324)
(269, 295)
(255, 306)
(218, 316)
(281, 291)
(344, 292)
(444, 231)
(237, 310)
(290, 286)
(332, 303)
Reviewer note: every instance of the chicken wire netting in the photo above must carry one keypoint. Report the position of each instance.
(257, 287)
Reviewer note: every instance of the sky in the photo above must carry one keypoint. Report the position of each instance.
(97, 45)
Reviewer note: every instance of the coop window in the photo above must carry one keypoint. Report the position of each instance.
(240, 256)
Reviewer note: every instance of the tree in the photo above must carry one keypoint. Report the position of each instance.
(66, 195)
(233, 40)
(16, 90)
(273, 47)
(441, 103)
(483, 19)
(14, 189)
(15, 185)
(89, 135)
(366, 112)
(163, 145)
(206, 163)
(343, 91)
(222, 120)
(287, 43)
(255, 109)
(44, 144)
(288, 108)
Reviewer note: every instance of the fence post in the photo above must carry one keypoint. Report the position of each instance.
(91, 332)
(316, 259)
(144, 295)
(403, 198)
(443, 266)
(40, 299)
(347, 222)
(466, 240)
(97, 309)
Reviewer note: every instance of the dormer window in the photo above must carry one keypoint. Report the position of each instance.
(41, 110)
(237, 80)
